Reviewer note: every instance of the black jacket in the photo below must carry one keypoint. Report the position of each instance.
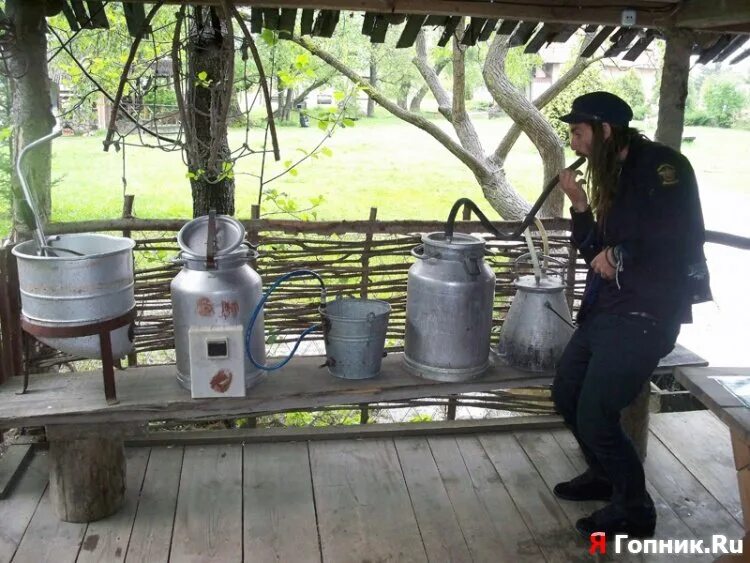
(655, 226)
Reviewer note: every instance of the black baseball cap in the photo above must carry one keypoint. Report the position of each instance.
(599, 106)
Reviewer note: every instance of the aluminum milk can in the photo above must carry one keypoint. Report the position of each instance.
(449, 299)
(222, 291)
(538, 325)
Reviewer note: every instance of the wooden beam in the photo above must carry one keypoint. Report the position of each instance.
(135, 14)
(650, 13)
(411, 30)
(622, 42)
(271, 19)
(741, 57)
(708, 55)
(256, 20)
(325, 23)
(712, 13)
(368, 23)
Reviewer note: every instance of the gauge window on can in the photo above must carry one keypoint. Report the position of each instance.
(217, 348)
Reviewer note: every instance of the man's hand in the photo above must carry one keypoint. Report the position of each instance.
(573, 188)
(602, 264)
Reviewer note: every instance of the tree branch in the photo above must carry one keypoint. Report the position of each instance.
(461, 122)
(581, 64)
(528, 117)
(430, 76)
(477, 165)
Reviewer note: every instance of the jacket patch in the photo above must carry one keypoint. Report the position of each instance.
(668, 174)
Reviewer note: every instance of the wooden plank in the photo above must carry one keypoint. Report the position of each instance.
(621, 43)
(668, 524)
(17, 510)
(271, 18)
(256, 20)
(48, 538)
(712, 462)
(98, 16)
(379, 29)
(512, 536)
(554, 466)
(708, 54)
(597, 41)
(522, 34)
(636, 50)
(540, 511)
(107, 539)
(544, 35)
(741, 451)
(135, 15)
(441, 534)
(208, 520)
(152, 530)
(733, 46)
(306, 22)
(564, 34)
(362, 503)
(152, 393)
(368, 23)
(449, 30)
(287, 21)
(12, 465)
(507, 27)
(689, 499)
(712, 14)
(473, 30)
(279, 509)
(81, 15)
(70, 16)
(741, 57)
(409, 34)
(487, 30)
(348, 432)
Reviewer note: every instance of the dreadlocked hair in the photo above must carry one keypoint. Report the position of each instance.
(604, 165)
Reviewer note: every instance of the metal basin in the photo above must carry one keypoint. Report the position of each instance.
(68, 290)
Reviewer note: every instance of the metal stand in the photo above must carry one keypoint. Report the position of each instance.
(102, 328)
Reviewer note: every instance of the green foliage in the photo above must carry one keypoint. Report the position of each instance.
(421, 418)
(722, 100)
(520, 66)
(5, 164)
(630, 88)
(589, 81)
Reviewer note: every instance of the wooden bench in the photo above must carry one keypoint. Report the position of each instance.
(86, 435)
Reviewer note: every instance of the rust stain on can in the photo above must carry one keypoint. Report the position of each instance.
(205, 307)
(221, 381)
(230, 309)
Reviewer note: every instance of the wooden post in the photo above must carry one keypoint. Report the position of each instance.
(635, 418)
(366, 254)
(127, 213)
(87, 469)
(674, 87)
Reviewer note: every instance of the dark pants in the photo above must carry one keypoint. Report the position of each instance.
(607, 362)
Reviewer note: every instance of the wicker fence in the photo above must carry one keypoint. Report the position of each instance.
(355, 258)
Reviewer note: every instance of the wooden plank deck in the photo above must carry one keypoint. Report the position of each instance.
(482, 497)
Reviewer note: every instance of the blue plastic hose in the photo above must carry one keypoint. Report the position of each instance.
(259, 308)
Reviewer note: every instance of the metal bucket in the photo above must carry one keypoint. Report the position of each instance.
(354, 332)
(68, 290)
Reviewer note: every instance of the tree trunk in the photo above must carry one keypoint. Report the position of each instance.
(528, 117)
(31, 112)
(286, 114)
(403, 93)
(373, 82)
(674, 88)
(210, 50)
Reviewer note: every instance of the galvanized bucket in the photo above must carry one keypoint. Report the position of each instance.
(354, 332)
(87, 281)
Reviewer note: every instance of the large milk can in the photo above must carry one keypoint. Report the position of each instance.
(449, 298)
(538, 325)
(216, 288)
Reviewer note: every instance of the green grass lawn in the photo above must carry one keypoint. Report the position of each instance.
(381, 162)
